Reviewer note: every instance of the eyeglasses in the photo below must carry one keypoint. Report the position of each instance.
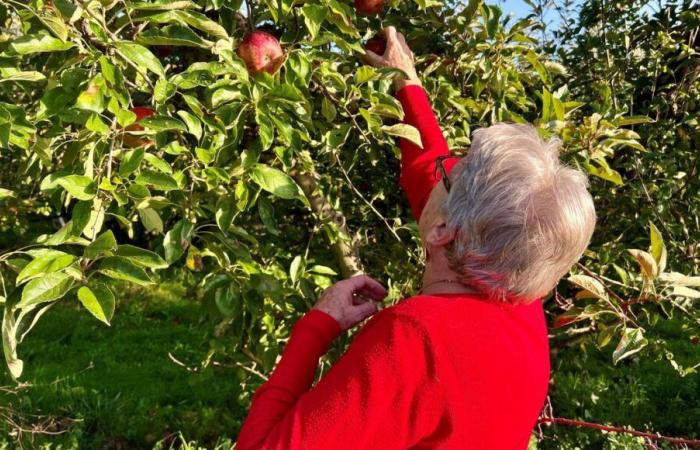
(443, 173)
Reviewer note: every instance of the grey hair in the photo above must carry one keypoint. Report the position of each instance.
(521, 218)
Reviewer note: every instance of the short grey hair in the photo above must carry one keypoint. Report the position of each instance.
(521, 218)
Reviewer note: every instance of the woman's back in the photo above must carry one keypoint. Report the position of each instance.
(492, 361)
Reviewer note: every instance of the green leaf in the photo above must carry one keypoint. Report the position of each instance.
(632, 341)
(98, 299)
(131, 161)
(9, 343)
(177, 240)
(365, 74)
(151, 220)
(658, 249)
(141, 257)
(203, 23)
(294, 268)
(92, 98)
(683, 291)
(140, 56)
(314, 15)
(163, 5)
(225, 209)
(16, 75)
(634, 120)
(121, 268)
(103, 244)
(470, 10)
(646, 262)
(163, 123)
(94, 123)
(48, 262)
(589, 284)
(48, 288)
(274, 181)
(39, 43)
(194, 126)
(79, 186)
(604, 171)
(6, 193)
(265, 128)
(323, 270)
(172, 35)
(267, 215)
(404, 131)
(157, 180)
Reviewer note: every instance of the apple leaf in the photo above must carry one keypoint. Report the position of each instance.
(141, 257)
(140, 56)
(47, 288)
(121, 268)
(275, 181)
(79, 186)
(98, 299)
(405, 131)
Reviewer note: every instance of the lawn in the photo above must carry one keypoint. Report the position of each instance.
(120, 386)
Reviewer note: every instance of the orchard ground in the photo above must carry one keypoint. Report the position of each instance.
(149, 381)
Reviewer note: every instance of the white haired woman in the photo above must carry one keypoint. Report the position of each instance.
(465, 363)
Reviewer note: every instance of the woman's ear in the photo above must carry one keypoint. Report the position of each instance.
(440, 234)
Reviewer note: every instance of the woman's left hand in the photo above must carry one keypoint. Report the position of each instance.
(352, 300)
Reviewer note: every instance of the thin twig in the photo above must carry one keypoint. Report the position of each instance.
(613, 429)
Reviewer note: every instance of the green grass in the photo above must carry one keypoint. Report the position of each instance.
(117, 387)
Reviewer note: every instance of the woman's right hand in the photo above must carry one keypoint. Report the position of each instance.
(397, 55)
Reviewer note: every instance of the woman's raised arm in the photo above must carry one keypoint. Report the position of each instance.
(418, 175)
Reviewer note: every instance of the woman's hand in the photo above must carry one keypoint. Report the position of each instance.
(352, 300)
(397, 55)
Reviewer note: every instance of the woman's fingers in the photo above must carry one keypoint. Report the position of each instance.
(372, 58)
(364, 310)
(366, 286)
(390, 34)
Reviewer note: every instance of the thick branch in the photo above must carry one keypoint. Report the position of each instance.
(346, 255)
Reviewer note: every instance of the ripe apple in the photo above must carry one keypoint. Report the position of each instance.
(377, 45)
(369, 7)
(261, 52)
(135, 141)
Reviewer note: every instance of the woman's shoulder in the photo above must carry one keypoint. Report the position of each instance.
(462, 308)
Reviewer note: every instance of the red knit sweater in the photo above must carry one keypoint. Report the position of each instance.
(443, 371)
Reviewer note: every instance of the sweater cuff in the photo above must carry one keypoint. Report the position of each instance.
(318, 325)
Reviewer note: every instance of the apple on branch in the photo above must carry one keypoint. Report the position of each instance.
(369, 7)
(135, 141)
(261, 52)
(376, 45)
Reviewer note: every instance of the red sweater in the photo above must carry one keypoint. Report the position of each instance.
(443, 371)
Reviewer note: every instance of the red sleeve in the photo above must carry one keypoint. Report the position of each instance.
(382, 393)
(418, 164)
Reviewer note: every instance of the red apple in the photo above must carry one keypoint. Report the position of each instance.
(135, 141)
(377, 45)
(369, 7)
(261, 52)
(141, 113)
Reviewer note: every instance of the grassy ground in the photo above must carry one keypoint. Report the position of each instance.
(117, 387)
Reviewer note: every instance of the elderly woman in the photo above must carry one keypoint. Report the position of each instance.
(465, 363)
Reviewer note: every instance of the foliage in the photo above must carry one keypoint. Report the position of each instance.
(241, 184)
